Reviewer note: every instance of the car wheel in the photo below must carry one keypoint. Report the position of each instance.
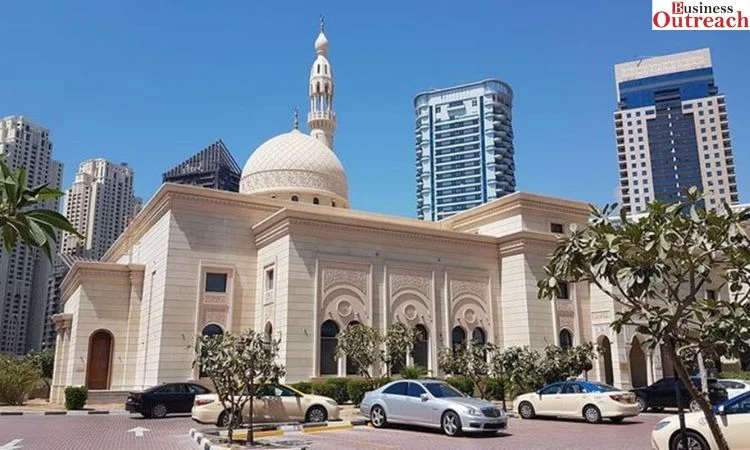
(694, 406)
(592, 414)
(642, 404)
(451, 423)
(316, 414)
(158, 411)
(694, 441)
(616, 419)
(377, 417)
(224, 420)
(526, 410)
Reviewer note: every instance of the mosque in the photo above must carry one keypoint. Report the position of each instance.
(287, 255)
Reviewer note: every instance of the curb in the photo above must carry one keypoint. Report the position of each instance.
(204, 442)
(115, 412)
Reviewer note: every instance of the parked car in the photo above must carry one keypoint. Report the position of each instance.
(662, 395)
(733, 416)
(169, 398)
(431, 403)
(279, 403)
(590, 400)
(735, 387)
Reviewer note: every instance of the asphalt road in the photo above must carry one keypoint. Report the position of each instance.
(120, 432)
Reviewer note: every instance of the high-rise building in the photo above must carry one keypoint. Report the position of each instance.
(24, 271)
(213, 167)
(100, 204)
(672, 131)
(60, 269)
(464, 147)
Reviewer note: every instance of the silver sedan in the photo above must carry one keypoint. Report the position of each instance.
(431, 403)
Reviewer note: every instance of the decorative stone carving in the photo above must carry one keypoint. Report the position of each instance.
(601, 329)
(410, 312)
(344, 308)
(474, 288)
(335, 276)
(268, 297)
(215, 299)
(600, 316)
(419, 283)
(566, 322)
(215, 316)
(470, 316)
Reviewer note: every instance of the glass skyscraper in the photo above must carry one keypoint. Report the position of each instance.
(672, 131)
(464, 147)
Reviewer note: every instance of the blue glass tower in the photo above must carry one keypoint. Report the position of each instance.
(672, 131)
(464, 147)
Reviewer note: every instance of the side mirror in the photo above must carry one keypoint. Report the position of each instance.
(424, 397)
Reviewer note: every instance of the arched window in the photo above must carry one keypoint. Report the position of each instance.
(209, 330)
(351, 367)
(566, 339)
(318, 66)
(328, 340)
(421, 347)
(333, 204)
(325, 67)
(478, 336)
(458, 338)
(295, 198)
(316, 201)
(268, 332)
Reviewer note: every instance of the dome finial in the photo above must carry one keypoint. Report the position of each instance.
(321, 43)
(296, 118)
(322, 24)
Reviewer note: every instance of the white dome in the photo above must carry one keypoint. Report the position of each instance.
(295, 164)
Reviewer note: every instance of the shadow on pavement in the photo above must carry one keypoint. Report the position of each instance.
(626, 422)
(435, 431)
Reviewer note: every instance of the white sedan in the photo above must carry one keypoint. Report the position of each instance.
(590, 400)
(735, 387)
(734, 420)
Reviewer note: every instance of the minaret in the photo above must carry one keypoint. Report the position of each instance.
(321, 120)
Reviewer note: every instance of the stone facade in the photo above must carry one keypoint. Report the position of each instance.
(286, 268)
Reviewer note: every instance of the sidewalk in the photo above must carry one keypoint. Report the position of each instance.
(43, 407)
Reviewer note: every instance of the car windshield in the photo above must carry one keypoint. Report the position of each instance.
(442, 390)
(601, 387)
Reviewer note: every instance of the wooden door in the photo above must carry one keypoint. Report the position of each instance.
(100, 356)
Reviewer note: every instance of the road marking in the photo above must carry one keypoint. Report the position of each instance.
(12, 445)
(138, 431)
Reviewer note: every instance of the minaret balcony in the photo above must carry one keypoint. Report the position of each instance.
(316, 115)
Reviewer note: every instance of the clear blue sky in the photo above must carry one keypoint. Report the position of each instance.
(152, 82)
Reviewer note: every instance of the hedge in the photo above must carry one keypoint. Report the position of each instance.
(75, 397)
(335, 388)
(17, 379)
(303, 386)
(463, 384)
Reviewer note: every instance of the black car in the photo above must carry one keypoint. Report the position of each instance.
(159, 401)
(662, 394)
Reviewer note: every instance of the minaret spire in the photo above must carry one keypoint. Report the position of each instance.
(321, 120)
(296, 117)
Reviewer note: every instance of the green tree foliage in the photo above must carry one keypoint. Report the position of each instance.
(17, 379)
(44, 363)
(21, 217)
(239, 367)
(657, 266)
(399, 340)
(471, 361)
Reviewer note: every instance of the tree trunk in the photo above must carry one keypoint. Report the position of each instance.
(702, 372)
(713, 425)
(250, 420)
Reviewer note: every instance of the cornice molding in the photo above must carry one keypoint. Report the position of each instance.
(101, 271)
(522, 241)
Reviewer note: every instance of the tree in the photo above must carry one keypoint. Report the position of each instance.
(560, 364)
(17, 379)
(21, 217)
(657, 267)
(240, 366)
(519, 368)
(44, 363)
(399, 340)
(471, 361)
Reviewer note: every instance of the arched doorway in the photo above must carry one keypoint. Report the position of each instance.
(328, 340)
(99, 363)
(637, 360)
(566, 339)
(605, 364)
(458, 338)
(420, 354)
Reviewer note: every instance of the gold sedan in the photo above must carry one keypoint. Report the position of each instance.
(280, 403)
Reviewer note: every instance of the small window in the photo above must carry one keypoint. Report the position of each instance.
(397, 388)
(269, 280)
(316, 201)
(562, 291)
(556, 228)
(333, 204)
(216, 282)
(295, 198)
(710, 294)
(415, 390)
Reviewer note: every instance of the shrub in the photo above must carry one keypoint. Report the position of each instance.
(356, 390)
(17, 379)
(495, 389)
(462, 383)
(413, 372)
(743, 375)
(303, 386)
(75, 397)
(335, 388)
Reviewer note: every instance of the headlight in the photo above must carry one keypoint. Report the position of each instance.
(474, 412)
(331, 402)
(661, 425)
